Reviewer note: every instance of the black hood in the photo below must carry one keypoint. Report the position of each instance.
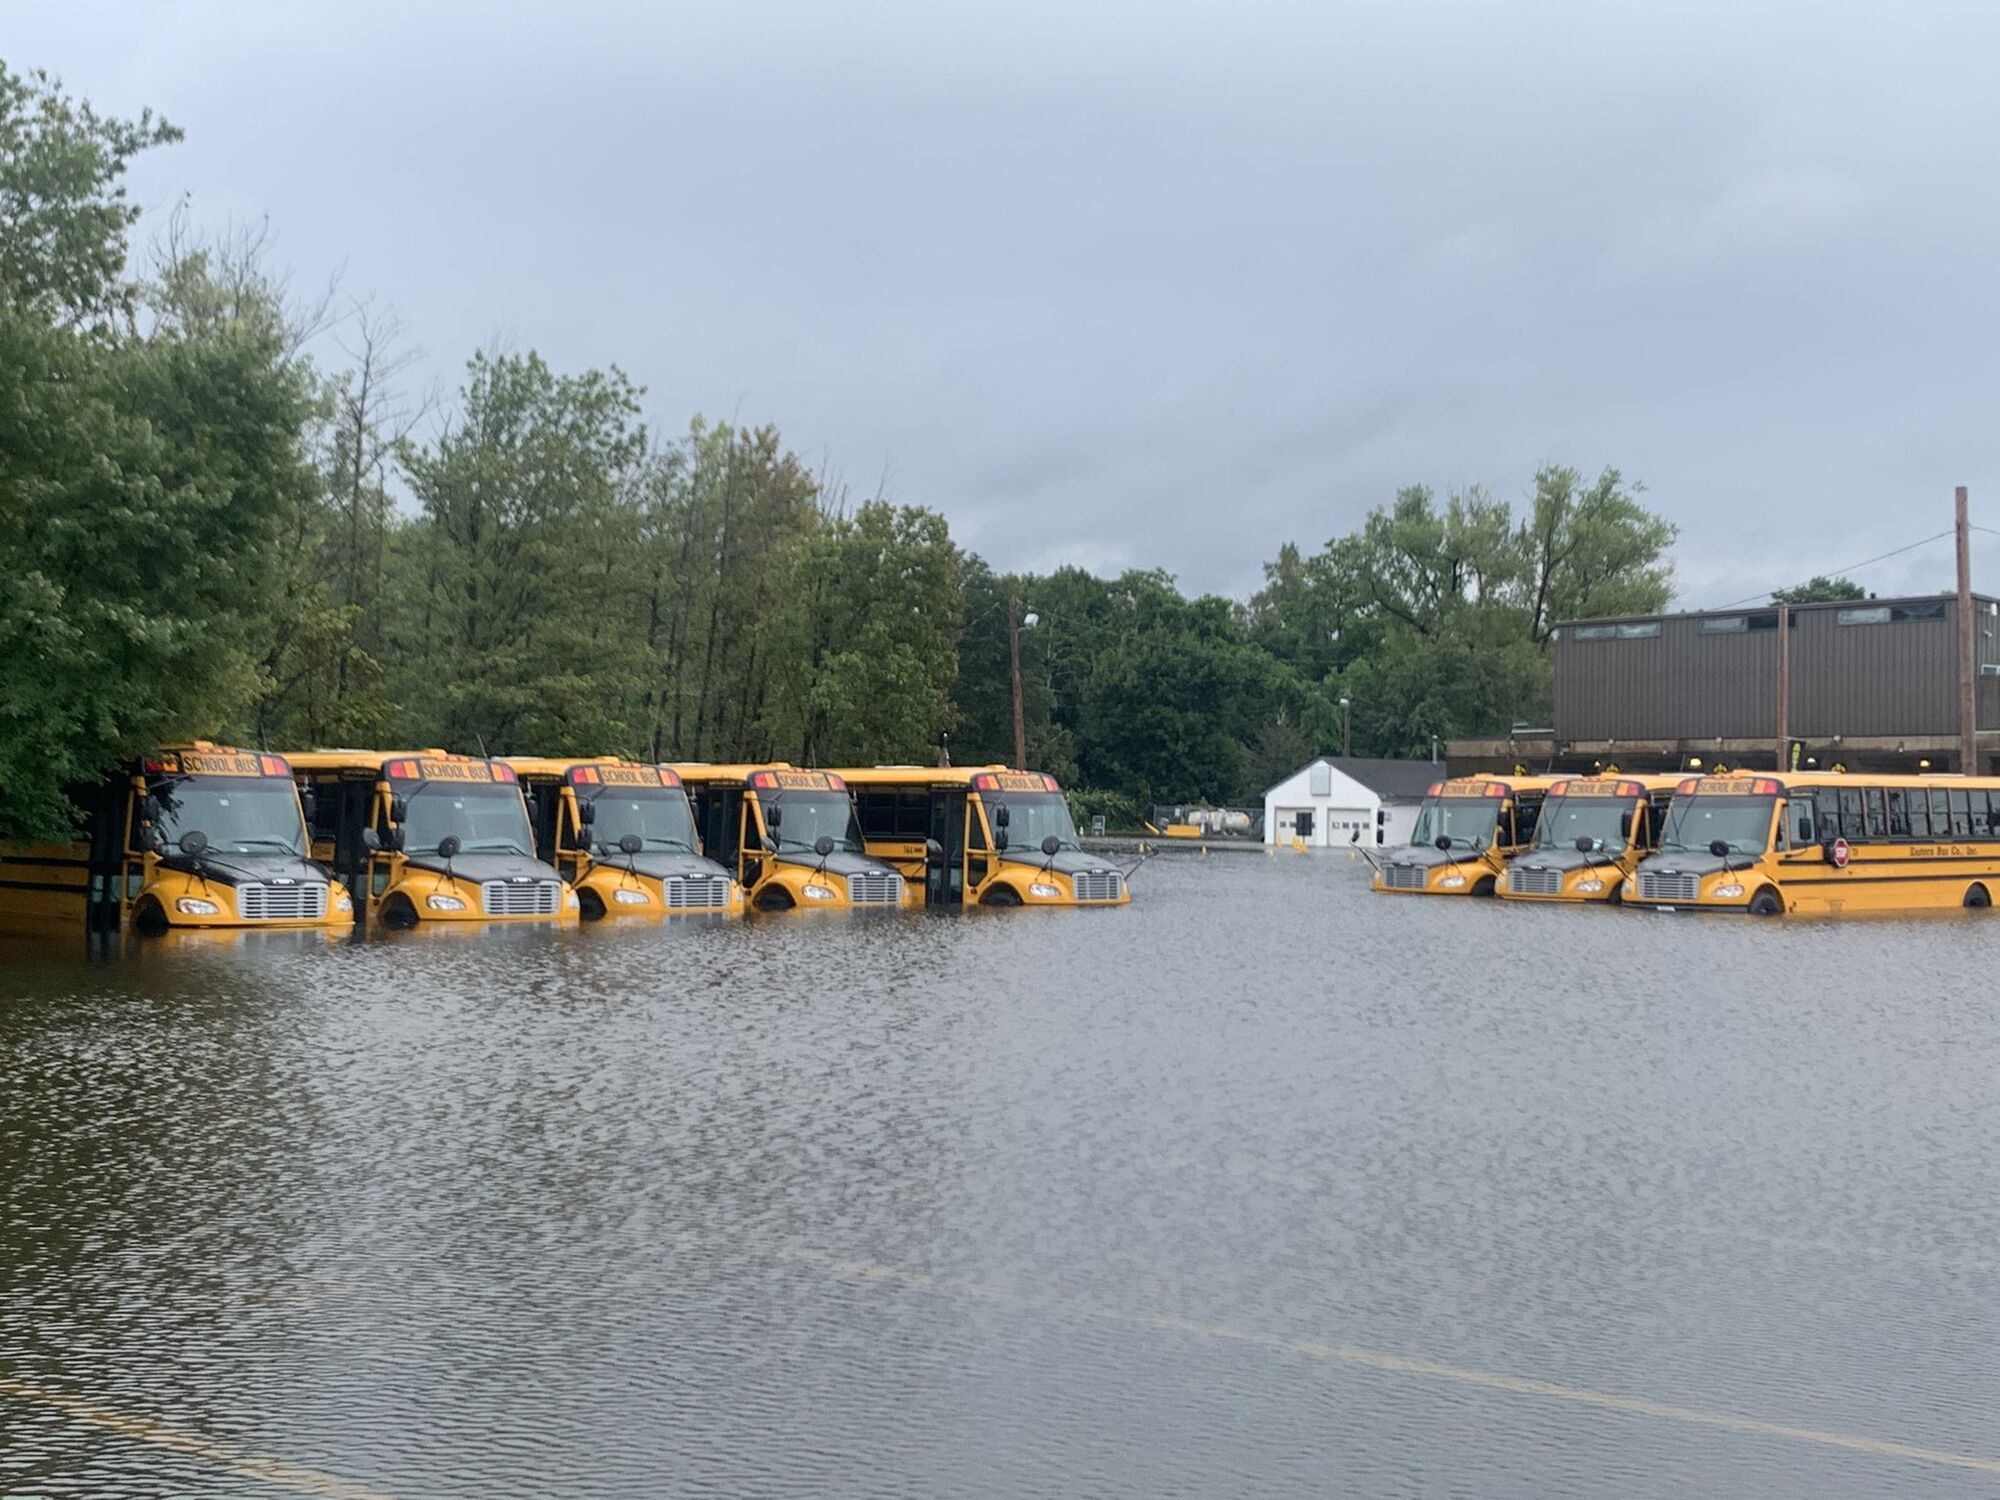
(838, 863)
(1693, 862)
(248, 869)
(1565, 859)
(480, 868)
(1428, 858)
(1065, 861)
(660, 865)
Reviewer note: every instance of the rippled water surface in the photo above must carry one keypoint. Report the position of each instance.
(1263, 1186)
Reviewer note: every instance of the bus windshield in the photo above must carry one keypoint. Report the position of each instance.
(1466, 821)
(657, 815)
(807, 816)
(238, 814)
(1605, 821)
(1695, 822)
(1034, 816)
(487, 819)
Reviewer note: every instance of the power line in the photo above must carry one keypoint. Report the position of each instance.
(1850, 568)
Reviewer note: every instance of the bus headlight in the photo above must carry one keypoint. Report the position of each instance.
(820, 893)
(1726, 892)
(444, 903)
(194, 906)
(1451, 882)
(626, 896)
(1046, 891)
(1589, 887)
(344, 904)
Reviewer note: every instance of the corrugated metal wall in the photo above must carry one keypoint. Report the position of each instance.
(1686, 683)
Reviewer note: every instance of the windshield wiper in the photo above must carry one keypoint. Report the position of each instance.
(285, 844)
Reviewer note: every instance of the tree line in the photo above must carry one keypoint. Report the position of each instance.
(225, 512)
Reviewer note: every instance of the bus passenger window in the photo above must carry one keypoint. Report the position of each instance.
(1851, 827)
(1827, 810)
(1878, 817)
(1982, 826)
(1899, 814)
(1940, 813)
(1919, 813)
(1961, 815)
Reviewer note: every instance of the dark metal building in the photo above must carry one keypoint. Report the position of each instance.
(1873, 682)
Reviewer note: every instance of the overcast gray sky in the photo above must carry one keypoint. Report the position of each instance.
(1139, 283)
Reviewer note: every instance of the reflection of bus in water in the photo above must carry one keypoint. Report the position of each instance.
(623, 835)
(1466, 830)
(981, 836)
(1592, 832)
(424, 836)
(1825, 843)
(791, 837)
(191, 836)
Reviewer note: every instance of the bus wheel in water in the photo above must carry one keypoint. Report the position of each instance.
(1483, 887)
(590, 906)
(777, 898)
(150, 918)
(398, 912)
(1766, 903)
(1978, 897)
(1001, 895)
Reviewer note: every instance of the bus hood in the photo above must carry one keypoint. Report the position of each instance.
(661, 866)
(1693, 862)
(1565, 860)
(840, 862)
(249, 869)
(477, 869)
(1429, 859)
(1064, 862)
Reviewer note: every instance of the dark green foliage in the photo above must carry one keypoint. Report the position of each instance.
(1820, 589)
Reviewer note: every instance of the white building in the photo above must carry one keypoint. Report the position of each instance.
(1324, 803)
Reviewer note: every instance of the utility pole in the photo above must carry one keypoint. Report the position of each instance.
(1346, 736)
(1014, 651)
(1968, 701)
(1784, 685)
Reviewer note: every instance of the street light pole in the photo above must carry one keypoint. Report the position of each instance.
(1346, 729)
(1014, 653)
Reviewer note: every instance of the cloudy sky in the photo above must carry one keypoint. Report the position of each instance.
(1158, 284)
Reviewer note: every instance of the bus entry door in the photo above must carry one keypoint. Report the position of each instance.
(944, 879)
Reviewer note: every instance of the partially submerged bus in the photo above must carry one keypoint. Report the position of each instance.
(1825, 843)
(1466, 830)
(981, 836)
(1591, 833)
(791, 837)
(623, 835)
(423, 836)
(191, 836)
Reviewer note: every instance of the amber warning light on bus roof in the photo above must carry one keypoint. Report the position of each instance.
(797, 781)
(1014, 781)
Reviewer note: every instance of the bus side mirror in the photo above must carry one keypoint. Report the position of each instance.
(448, 846)
(1584, 844)
(823, 846)
(1052, 846)
(1000, 834)
(1355, 837)
(193, 841)
(1806, 831)
(1000, 818)
(398, 809)
(630, 843)
(933, 852)
(586, 813)
(1443, 841)
(149, 808)
(309, 804)
(1719, 848)
(774, 818)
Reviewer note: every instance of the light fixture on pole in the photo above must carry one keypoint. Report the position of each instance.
(1346, 727)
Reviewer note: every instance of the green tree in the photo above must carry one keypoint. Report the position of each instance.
(1819, 589)
(1590, 550)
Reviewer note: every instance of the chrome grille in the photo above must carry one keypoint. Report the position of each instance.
(1526, 881)
(260, 902)
(1668, 885)
(1098, 885)
(875, 888)
(697, 892)
(534, 898)
(1406, 877)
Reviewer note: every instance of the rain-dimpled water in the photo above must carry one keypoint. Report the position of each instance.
(1265, 1185)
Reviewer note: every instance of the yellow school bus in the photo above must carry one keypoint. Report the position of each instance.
(423, 836)
(1825, 843)
(791, 837)
(980, 836)
(1467, 828)
(623, 835)
(191, 836)
(1591, 834)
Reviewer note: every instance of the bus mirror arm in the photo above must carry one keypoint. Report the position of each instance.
(770, 844)
(1720, 849)
(933, 852)
(1362, 849)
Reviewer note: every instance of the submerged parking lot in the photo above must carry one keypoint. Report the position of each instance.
(1262, 1185)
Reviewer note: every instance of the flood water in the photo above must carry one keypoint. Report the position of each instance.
(1265, 1185)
